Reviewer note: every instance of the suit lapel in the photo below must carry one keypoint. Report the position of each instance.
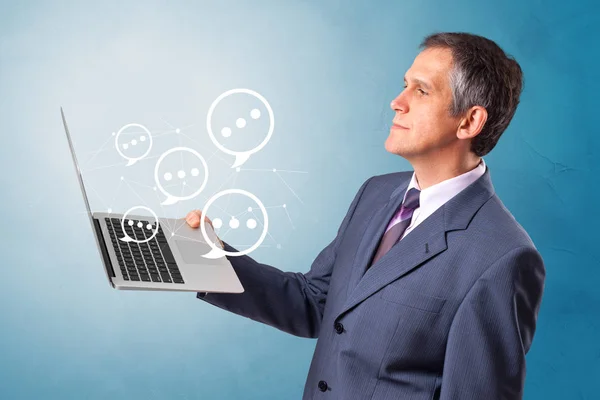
(425, 241)
(374, 233)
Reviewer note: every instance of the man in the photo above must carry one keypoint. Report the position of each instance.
(431, 288)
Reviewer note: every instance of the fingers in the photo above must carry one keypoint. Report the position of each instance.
(193, 218)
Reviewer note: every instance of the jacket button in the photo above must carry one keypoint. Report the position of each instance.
(322, 386)
(339, 328)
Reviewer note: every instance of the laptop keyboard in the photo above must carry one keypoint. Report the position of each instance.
(151, 261)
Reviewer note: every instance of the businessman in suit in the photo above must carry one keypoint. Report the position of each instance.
(431, 288)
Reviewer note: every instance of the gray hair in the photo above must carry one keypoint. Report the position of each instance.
(482, 75)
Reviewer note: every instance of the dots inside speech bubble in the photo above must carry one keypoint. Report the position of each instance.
(179, 162)
(139, 229)
(233, 222)
(251, 223)
(239, 123)
(126, 142)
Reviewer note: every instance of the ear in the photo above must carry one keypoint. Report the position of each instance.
(472, 123)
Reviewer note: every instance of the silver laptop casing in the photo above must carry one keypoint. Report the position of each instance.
(200, 275)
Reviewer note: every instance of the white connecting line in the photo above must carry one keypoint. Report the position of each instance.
(177, 226)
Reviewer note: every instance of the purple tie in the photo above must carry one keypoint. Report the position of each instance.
(411, 202)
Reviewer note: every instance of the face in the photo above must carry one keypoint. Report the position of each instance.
(422, 125)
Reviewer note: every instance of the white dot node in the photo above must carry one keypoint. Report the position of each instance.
(122, 178)
(172, 233)
(234, 223)
(251, 223)
(109, 210)
(114, 133)
(255, 114)
(249, 209)
(177, 130)
(154, 188)
(217, 223)
(284, 206)
(240, 122)
(195, 172)
(142, 138)
(168, 176)
(125, 146)
(226, 132)
(181, 174)
(139, 224)
(133, 142)
(130, 223)
(149, 227)
(274, 170)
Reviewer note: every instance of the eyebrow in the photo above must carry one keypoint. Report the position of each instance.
(420, 82)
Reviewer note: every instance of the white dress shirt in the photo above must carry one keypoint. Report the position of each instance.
(435, 196)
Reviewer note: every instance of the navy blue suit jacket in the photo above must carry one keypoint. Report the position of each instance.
(448, 313)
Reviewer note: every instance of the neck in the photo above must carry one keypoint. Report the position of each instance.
(433, 171)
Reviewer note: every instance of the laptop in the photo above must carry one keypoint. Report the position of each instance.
(164, 262)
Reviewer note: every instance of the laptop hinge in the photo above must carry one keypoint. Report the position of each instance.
(103, 249)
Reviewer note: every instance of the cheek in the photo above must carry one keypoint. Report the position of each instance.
(423, 123)
(431, 121)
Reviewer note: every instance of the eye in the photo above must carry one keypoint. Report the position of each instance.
(421, 91)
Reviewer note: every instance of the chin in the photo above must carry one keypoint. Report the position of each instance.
(392, 147)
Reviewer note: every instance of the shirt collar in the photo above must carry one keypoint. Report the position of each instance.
(435, 196)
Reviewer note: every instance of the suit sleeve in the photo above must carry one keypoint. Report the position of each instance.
(493, 330)
(292, 302)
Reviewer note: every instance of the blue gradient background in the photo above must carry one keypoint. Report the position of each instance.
(330, 70)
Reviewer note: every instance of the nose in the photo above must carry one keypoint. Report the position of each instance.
(399, 104)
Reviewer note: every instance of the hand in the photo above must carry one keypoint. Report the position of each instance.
(193, 219)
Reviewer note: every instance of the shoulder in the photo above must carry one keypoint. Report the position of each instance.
(507, 246)
(499, 224)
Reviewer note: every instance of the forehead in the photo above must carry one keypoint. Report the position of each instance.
(433, 66)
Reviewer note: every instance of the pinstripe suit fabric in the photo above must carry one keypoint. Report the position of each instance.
(448, 313)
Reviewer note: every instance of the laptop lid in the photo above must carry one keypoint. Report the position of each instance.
(79, 178)
(95, 224)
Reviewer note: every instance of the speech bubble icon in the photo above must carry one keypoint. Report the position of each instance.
(171, 198)
(240, 159)
(217, 252)
(143, 230)
(240, 156)
(146, 132)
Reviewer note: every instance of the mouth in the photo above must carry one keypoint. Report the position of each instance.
(398, 126)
